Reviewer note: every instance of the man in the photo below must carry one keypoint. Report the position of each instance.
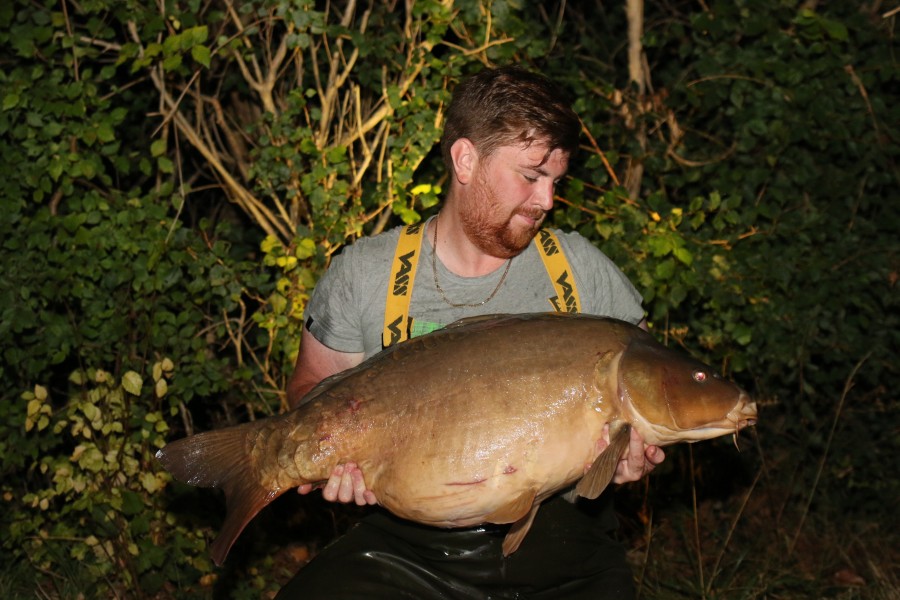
(507, 142)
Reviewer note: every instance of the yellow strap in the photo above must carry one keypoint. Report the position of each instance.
(403, 274)
(559, 271)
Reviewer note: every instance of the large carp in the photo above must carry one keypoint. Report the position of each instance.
(476, 423)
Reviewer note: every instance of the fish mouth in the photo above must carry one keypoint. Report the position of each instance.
(744, 414)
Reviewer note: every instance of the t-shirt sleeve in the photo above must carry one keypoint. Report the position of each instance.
(333, 312)
(602, 286)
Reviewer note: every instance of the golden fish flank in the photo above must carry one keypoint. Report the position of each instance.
(476, 423)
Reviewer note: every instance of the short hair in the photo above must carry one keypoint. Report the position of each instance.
(509, 106)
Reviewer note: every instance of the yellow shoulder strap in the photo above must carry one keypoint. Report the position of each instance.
(403, 275)
(566, 299)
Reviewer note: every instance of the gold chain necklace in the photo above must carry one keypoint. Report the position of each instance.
(441, 290)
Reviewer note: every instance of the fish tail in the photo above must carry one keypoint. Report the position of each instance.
(222, 459)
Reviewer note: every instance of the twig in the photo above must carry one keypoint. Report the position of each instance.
(648, 540)
(180, 189)
(600, 153)
(837, 415)
(696, 521)
(865, 96)
(728, 76)
(737, 517)
(69, 31)
(271, 224)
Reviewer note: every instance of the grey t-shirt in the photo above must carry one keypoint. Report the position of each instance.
(346, 310)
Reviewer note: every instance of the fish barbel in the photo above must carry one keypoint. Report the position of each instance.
(476, 423)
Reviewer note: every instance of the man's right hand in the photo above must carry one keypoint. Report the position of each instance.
(346, 484)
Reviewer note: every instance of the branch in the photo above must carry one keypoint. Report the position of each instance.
(237, 192)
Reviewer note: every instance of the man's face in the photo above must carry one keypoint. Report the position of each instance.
(511, 192)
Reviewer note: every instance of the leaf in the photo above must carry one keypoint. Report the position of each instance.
(132, 382)
(105, 133)
(201, 54)
(10, 101)
(172, 63)
(165, 164)
(835, 29)
(158, 147)
(742, 334)
(665, 269)
(305, 249)
(150, 482)
(34, 408)
(684, 255)
(56, 168)
(198, 34)
(132, 503)
(90, 411)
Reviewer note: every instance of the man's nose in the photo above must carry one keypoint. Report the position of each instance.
(545, 195)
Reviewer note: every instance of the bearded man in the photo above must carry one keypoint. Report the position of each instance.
(507, 142)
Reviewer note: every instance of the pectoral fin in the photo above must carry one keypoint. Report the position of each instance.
(518, 531)
(604, 466)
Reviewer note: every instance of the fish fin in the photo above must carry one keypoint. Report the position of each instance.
(513, 511)
(221, 459)
(517, 532)
(492, 318)
(604, 466)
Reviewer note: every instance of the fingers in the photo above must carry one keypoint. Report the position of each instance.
(347, 484)
(639, 459)
(635, 453)
(655, 456)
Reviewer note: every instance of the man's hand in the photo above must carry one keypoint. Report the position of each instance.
(346, 484)
(638, 460)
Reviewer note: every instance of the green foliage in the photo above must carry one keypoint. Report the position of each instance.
(180, 175)
(100, 269)
(94, 493)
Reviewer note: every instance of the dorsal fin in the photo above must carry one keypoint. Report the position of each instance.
(476, 319)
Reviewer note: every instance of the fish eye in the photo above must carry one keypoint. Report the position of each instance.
(699, 376)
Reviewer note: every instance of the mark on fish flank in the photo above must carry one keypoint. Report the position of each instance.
(354, 405)
(509, 470)
(325, 438)
(475, 482)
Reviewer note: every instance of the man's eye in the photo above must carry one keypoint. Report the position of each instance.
(530, 179)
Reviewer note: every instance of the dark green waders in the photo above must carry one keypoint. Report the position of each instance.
(568, 554)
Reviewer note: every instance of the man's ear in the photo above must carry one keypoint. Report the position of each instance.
(465, 158)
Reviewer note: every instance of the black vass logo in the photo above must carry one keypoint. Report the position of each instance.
(563, 281)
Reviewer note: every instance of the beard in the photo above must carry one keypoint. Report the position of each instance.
(490, 226)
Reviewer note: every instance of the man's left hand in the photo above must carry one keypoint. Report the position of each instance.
(638, 460)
